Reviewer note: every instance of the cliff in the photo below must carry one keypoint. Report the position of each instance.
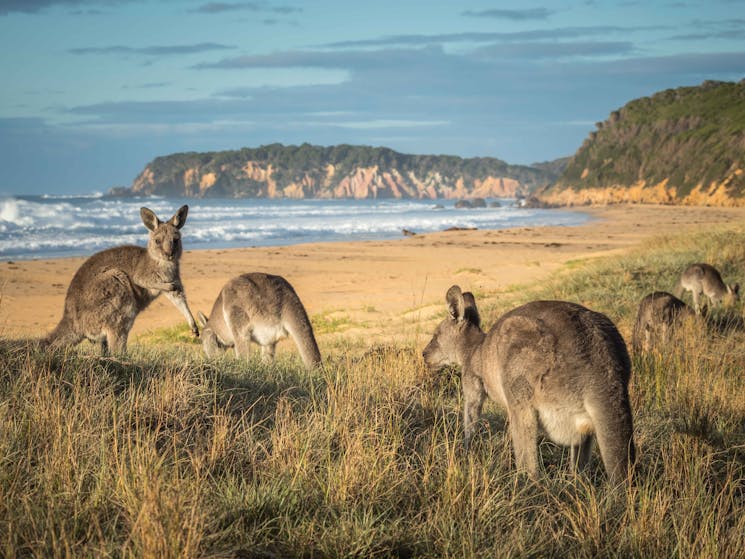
(307, 171)
(679, 146)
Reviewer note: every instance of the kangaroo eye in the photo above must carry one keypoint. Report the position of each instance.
(157, 242)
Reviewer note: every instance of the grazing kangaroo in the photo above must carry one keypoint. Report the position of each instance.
(549, 363)
(262, 308)
(659, 313)
(704, 278)
(113, 286)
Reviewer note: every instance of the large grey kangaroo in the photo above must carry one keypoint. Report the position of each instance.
(111, 288)
(705, 279)
(262, 308)
(659, 314)
(549, 363)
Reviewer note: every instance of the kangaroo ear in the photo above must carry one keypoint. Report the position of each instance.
(202, 319)
(736, 289)
(471, 313)
(179, 218)
(150, 220)
(456, 304)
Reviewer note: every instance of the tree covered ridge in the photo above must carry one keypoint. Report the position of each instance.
(306, 163)
(690, 136)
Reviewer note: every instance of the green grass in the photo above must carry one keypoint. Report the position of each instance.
(166, 454)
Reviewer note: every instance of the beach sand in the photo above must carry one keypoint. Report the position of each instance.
(368, 289)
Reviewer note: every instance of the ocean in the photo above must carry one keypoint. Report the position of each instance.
(40, 227)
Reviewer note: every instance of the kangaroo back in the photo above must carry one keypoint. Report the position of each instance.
(550, 363)
(658, 314)
(262, 308)
(704, 279)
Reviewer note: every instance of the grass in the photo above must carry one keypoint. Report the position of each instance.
(166, 454)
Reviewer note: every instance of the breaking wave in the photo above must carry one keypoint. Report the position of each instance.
(55, 226)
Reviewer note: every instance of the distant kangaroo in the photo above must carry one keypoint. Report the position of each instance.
(113, 286)
(549, 363)
(659, 313)
(704, 278)
(262, 308)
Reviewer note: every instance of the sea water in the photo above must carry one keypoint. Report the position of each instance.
(57, 226)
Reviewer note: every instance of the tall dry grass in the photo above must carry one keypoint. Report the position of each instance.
(166, 454)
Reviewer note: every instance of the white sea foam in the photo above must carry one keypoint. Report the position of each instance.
(50, 226)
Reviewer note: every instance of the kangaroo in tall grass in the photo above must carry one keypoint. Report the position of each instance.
(705, 279)
(261, 308)
(549, 363)
(113, 286)
(658, 316)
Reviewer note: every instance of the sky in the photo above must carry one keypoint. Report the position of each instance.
(92, 90)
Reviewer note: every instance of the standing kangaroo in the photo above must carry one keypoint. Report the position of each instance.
(704, 278)
(549, 363)
(262, 308)
(111, 288)
(659, 314)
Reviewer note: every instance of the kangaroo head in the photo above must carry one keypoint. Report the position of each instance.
(451, 334)
(733, 294)
(165, 236)
(210, 342)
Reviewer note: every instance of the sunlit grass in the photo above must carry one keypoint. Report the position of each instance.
(164, 453)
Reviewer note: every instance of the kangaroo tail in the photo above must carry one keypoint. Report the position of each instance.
(615, 435)
(299, 327)
(62, 335)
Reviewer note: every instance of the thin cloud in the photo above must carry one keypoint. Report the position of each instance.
(222, 7)
(489, 37)
(162, 50)
(557, 50)
(512, 15)
(36, 6)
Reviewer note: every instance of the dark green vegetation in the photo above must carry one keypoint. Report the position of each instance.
(308, 166)
(691, 136)
(166, 454)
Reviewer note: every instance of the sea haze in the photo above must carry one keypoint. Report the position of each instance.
(53, 227)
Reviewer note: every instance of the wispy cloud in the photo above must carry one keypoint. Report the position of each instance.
(512, 15)
(713, 29)
(556, 51)
(36, 6)
(161, 50)
(221, 7)
(149, 85)
(553, 34)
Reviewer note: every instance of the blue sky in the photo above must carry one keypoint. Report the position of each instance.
(94, 89)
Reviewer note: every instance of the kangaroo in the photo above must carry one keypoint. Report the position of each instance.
(549, 363)
(262, 308)
(113, 286)
(704, 278)
(659, 313)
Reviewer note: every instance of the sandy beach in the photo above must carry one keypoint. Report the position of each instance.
(366, 285)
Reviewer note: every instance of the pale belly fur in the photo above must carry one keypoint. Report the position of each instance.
(566, 427)
(268, 334)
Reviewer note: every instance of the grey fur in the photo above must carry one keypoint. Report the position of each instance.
(705, 279)
(113, 286)
(658, 316)
(549, 363)
(261, 308)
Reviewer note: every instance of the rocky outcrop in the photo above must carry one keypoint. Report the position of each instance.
(337, 172)
(716, 194)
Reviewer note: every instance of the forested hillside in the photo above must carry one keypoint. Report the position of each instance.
(341, 171)
(684, 145)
